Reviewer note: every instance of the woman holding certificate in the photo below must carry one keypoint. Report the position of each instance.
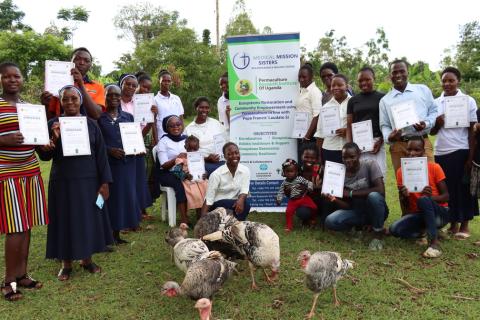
(128, 84)
(170, 148)
(22, 195)
(363, 112)
(332, 124)
(454, 149)
(79, 185)
(424, 195)
(210, 132)
(122, 204)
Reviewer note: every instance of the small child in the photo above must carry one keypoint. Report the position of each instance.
(194, 190)
(295, 187)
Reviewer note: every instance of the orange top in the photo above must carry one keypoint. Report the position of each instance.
(94, 89)
(435, 175)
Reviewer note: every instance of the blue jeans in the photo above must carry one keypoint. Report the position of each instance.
(228, 204)
(370, 211)
(431, 217)
(212, 166)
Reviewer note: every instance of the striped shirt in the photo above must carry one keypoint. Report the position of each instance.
(298, 188)
(15, 162)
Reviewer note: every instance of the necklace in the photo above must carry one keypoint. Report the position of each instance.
(114, 117)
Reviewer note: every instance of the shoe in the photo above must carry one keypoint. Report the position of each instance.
(432, 252)
(64, 274)
(10, 292)
(375, 245)
(32, 283)
(462, 235)
(91, 267)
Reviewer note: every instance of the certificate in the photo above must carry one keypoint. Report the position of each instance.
(196, 165)
(457, 114)
(32, 121)
(414, 173)
(333, 179)
(74, 135)
(143, 108)
(132, 138)
(57, 75)
(404, 114)
(219, 142)
(362, 133)
(301, 122)
(330, 120)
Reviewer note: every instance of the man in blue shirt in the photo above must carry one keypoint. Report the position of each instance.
(425, 108)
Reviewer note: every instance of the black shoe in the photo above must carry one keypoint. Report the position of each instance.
(120, 241)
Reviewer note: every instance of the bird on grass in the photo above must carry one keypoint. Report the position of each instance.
(185, 250)
(203, 279)
(204, 307)
(256, 242)
(323, 269)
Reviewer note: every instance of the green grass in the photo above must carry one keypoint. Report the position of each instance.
(129, 287)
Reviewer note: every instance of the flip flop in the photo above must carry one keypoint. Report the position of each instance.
(462, 235)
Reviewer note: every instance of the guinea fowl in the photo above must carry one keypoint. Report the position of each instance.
(217, 220)
(185, 250)
(257, 242)
(203, 279)
(323, 269)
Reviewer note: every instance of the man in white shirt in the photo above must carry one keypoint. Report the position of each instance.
(166, 102)
(223, 104)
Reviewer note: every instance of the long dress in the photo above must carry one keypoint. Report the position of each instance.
(122, 204)
(22, 195)
(78, 228)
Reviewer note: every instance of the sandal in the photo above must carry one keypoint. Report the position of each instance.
(32, 283)
(91, 267)
(64, 274)
(11, 294)
(462, 235)
(432, 252)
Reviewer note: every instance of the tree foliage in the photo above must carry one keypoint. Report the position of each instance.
(11, 17)
(73, 17)
(467, 57)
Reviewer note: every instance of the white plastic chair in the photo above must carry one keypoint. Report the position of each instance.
(169, 201)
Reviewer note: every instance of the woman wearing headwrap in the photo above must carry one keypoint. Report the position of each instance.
(128, 84)
(170, 147)
(78, 227)
(122, 204)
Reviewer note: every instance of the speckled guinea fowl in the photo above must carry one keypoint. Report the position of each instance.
(257, 242)
(323, 269)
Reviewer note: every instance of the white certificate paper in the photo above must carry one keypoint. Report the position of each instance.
(301, 122)
(57, 75)
(143, 108)
(74, 135)
(362, 133)
(330, 120)
(333, 179)
(457, 114)
(32, 121)
(414, 173)
(404, 114)
(132, 139)
(196, 165)
(219, 142)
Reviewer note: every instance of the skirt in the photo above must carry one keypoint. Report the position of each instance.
(195, 192)
(463, 207)
(77, 228)
(23, 204)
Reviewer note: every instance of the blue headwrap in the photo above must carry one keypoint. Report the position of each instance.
(165, 121)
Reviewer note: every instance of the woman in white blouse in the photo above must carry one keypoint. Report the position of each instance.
(229, 185)
(170, 147)
(207, 130)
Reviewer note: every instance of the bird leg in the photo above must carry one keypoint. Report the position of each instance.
(267, 277)
(252, 274)
(312, 311)
(336, 302)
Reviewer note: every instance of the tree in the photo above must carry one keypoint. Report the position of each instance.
(144, 21)
(74, 16)
(467, 57)
(206, 37)
(11, 18)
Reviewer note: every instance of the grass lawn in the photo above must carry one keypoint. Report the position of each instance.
(129, 287)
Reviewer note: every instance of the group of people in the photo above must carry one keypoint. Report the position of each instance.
(453, 168)
(91, 199)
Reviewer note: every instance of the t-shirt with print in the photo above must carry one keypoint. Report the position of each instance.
(368, 172)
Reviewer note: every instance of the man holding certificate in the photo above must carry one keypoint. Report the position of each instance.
(408, 110)
(363, 197)
(426, 209)
(93, 94)
(307, 108)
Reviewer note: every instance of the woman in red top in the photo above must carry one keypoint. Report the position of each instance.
(427, 210)
(22, 195)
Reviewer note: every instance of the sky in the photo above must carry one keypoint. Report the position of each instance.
(418, 30)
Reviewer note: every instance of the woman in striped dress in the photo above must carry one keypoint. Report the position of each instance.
(22, 195)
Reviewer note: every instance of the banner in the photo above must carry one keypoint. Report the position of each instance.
(263, 85)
